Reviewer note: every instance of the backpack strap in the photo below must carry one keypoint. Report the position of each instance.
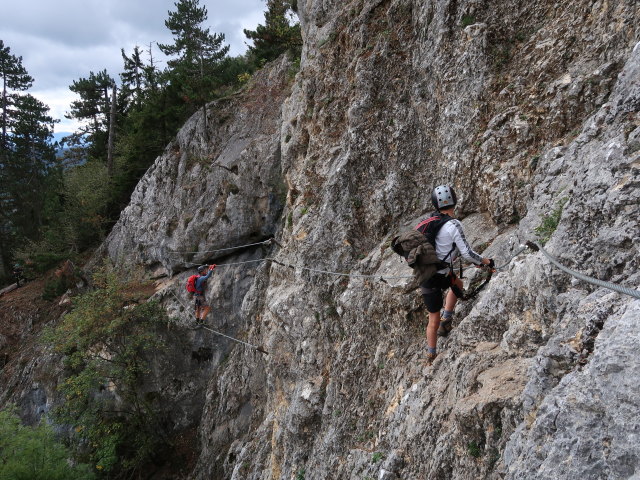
(453, 249)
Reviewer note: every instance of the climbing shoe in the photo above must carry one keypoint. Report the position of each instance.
(430, 358)
(445, 327)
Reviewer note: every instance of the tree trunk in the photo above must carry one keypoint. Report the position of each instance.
(4, 115)
(204, 106)
(112, 129)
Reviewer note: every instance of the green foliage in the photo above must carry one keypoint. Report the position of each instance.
(300, 474)
(494, 457)
(550, 222)
(501, 55)
(366, 436)
(54, 288)
(196, 53)
(467, 20)
(232, 73)
(533, 164)
(86, 190)
(377, 456)
(474, 450)
(107, 340)
(294, 68)
(279, 34)
(34, 453)
(93, 108)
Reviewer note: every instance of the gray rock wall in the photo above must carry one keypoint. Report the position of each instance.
(527, 109)
(210, 188)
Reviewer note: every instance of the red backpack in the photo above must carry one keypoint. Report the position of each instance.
(191, 283)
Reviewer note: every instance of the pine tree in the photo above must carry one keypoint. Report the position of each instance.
(148, 122)
(133, 78)
(98, 107)
(94, 98)
(279, 34)
(27, 157)
(198, 54)
(27, 165)
(24, 173)
(14, 79)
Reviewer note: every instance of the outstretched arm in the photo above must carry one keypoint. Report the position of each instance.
(465, 249)
(205, 277)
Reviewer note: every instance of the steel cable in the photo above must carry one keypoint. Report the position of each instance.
(226, 249)
(533, 246)
(585, 278)
(260, 349)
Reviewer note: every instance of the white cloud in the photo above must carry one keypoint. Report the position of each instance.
(65, 40)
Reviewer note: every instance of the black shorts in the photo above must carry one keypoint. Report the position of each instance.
(432, 290)
(201, 301)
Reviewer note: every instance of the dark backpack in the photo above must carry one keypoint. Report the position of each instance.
(429, 227)
(417, 247)
(191, 283)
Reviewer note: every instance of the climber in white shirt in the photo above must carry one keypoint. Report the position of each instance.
(450, 243)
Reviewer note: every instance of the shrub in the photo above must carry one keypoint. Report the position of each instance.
(54, 287)
(474, 449)
(106, 340)
(467, 20)
(377, 456)
(550, 222)
(28, 453)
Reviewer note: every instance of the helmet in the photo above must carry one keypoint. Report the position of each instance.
(202, 268)
(443, 196)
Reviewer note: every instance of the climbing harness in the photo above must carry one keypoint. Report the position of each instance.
(255, 347)
(479, 283)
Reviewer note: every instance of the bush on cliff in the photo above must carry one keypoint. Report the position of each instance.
(33, 453)
(107, 341)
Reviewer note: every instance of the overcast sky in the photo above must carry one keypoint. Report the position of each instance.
(63, 40)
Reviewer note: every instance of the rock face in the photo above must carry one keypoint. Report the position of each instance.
(212, 187)
(532, 111)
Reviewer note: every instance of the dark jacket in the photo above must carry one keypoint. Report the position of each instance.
(201, 283)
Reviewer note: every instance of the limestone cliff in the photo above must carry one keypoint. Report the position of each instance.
(529, 109)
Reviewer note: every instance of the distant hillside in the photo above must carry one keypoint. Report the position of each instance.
(60, 135)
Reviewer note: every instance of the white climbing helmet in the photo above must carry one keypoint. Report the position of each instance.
(443, 196)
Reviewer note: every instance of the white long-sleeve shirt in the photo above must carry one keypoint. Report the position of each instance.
(451, 236)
